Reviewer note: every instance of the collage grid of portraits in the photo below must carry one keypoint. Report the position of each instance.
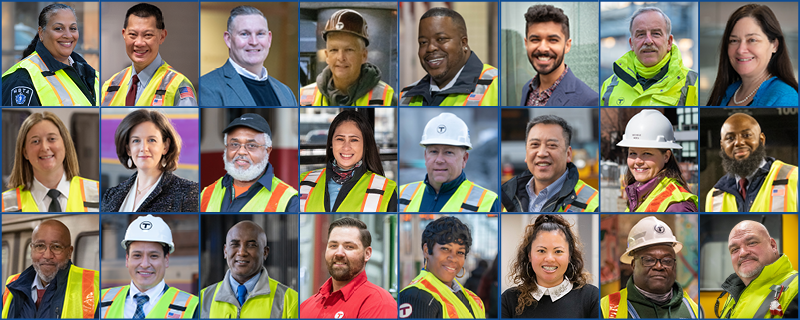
(500, 109)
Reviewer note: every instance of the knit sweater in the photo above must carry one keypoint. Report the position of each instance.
(578, 303)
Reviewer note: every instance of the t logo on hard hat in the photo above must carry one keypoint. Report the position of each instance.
(659, 228)
(441, 128)
(145, 225)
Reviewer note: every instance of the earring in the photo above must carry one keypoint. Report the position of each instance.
(527, 271)
(573, 269)
(130, 162)
(463, 274)
(163, 163)
(425, 265)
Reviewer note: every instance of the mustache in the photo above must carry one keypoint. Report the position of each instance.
(745, 258)
(538, 54)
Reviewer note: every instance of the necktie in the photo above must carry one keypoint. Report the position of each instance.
(54, 205)
(141, 299)
(130, 99)
(39, 295)
(743, 188)
(241, 294)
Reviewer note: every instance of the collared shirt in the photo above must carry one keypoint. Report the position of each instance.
(37, 284)
(154, 294)
(752, 174)
(536, 202)
(247, 74)
(435, 87)
(536, 98)
(454, 286)
(250, 285)
(358, 299)
(555, 293)
(147, 74)
(39, 194)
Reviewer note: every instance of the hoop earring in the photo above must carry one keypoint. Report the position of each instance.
(130, 162)
(573, 269)
(527, 271)
(463, 274)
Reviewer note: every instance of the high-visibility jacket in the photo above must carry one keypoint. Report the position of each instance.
(173, 304)
(677, 87)
(380, 95)
(160, 91)
(754, 301)
(220, 302)
(54, 88)
(483, 94)
(616, 305)
(778, 193)
(264, 201)
(452, 307)
(666, 192)
(371, 193)
(469, 197)
(83, 287)
(84, 196)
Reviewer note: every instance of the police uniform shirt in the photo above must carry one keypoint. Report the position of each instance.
(39, 194)
(23, 93)
(250, 285)
(154, 294)
(147, 74)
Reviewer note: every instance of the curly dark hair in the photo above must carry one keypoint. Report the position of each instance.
(446, 230)
(521, 266)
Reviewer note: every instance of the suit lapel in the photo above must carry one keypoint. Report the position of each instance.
(238, 90)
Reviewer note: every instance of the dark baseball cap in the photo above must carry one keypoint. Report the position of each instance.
(252, 121)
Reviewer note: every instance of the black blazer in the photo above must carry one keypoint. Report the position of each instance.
(172, 194)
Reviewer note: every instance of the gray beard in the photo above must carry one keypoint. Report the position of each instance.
(248, 174)
(746, 166)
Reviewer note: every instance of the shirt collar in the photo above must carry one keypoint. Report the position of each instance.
(39, 191)
(750, 176)
(547, 191)
(348, 290)
(449, 85)
(37, 282)
(151, 293)
(250, 284)
(149, 71)
(249, 75)
(555, 293)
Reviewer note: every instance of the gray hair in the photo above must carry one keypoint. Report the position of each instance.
(267, 140)
(244, 11)
(650, 9)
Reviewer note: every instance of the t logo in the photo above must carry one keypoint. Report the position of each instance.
(405, 310)
(145, 225)
(441, 128)
(339, 315)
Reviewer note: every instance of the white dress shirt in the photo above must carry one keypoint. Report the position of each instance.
(39, 194)
(154, 294)
(435, 88)
(249, 75)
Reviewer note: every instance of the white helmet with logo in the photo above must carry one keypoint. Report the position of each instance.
(649, 129)
(151, 229)
(447, 129)
(649, 231)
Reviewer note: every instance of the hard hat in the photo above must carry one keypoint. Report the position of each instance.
(150, 229)
(649, 129)
(649, 231)
(447, 129)
(349, 21)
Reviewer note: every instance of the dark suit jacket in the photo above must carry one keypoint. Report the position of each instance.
(172, 194)
(570, 92)
(224, 87)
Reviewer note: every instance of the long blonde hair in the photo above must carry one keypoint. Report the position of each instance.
(22, 173)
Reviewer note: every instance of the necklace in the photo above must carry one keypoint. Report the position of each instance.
(751, 93)
(139, 191)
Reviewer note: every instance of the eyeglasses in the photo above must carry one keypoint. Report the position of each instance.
(41, 248)
(251, 147)
(650, 261)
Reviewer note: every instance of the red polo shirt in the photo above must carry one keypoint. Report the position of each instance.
(358, 299)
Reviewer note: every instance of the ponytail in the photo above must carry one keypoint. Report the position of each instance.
(31, 47)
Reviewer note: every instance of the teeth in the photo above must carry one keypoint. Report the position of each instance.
(543, 58)
(435, 60)
(542, 164)
(47, 157)
(548, 268)
(744, 59)
(450, 269)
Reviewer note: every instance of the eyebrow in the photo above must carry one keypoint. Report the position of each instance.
(746, 239)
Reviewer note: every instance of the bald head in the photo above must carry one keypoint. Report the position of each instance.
(248, 227)
(739, 121)
(751, 249)
(51, 249)
(246, 249)
(55, 228)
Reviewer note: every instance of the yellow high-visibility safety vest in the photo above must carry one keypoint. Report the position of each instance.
(778, 193)
(173, 304)
(484, 93)
(54, 88)
(281, 303)
(160, 91)
(469, 197)
(80, 300)
(666, 192)
(371, 193)
(616, 305)
(754, 301)
(84, 196)
(264, 201)
(380, 95)
(452, 307)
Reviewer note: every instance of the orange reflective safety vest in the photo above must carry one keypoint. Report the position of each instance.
(81, 298)
(666, 192)
(452, 307)
(84, 196)
(380, 95)
(371, 193)
(264, 201)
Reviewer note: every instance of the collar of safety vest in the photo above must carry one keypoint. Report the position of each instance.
(625, 66)
(348, 290)
(464, 84)
(264, 181)
(446, 187)
(728, 182)
(51, 62)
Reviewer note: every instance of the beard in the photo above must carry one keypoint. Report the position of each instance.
(48, 277)
(746, 166)
(545, 71)
(756, 271)
(249, 174)
(347, 273)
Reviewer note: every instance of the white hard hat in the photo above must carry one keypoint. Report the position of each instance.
(151, 229)
(447, 129)
(649, 129)
(649, 231)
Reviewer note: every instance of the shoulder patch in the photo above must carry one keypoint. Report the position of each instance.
(21, 96)
(405, 310)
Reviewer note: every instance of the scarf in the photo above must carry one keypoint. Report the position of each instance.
(660, 298)
(368, 79)
(341, 176)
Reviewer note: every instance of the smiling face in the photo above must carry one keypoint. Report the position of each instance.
(44, 148)
(345, 53)
(549, 258)
(658, 278)
(546, 45)
(345, 255)
(245, 250)
(751, 249)
(249, 40)
(443, 49)
(147, 146)
(444, 163)
(547, 154)
(649, 38)
(446, 261)
(142, 40)
(243, 158)
(646, 163)
(60, 35)
(749, 49)
(740, 136)
(47, 264)
(348, 145)
(146, 264)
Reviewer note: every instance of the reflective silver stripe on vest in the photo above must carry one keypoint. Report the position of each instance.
(584, 196)
(406, 100)
(406, 196)
(691, 77)
(372, 201)
(379, 89)
(108, 299)
(180, 302)
(609, 89)
(276, 312)
(92, 194)
(480, 89)
(10, 201)
(778, 192)
(162, 87)
(689, 306)
(476, 193)
(764, 308)
(631, 310)
(716, 201)
(115, 82)
(66, 99)
(307, 185)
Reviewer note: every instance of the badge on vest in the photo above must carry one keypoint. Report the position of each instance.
(405, 310)
(173, 314)
(22, 96)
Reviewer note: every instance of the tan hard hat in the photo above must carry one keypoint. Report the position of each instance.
(646, 232)
(349, 21)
